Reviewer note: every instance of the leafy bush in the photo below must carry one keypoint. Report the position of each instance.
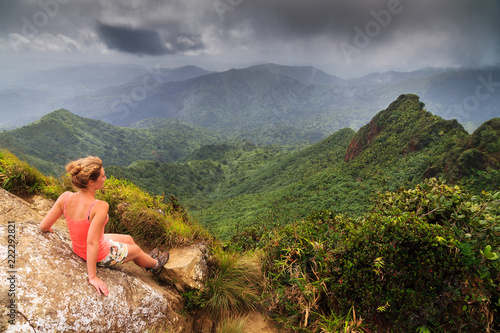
(421, 258)
(296, 268)
(474, 221)
(398, 270)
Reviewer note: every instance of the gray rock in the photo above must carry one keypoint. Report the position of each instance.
(52, 293)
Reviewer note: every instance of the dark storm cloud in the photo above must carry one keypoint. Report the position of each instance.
(464, 32)
(144, 41)
(136, 41)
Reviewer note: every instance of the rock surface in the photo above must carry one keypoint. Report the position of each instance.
(186, 268)
(53, 293)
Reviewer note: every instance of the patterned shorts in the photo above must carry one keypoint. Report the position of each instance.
(117, 253)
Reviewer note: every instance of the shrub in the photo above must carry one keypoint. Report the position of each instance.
(474, 221)
(246, 240)
(423, 258)
(296, 268)
(398, 270)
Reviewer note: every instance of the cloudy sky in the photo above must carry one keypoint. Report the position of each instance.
(343, 37)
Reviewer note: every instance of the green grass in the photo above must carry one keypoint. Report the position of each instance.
(234, 287)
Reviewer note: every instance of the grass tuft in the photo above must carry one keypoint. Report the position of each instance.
(232, 325)
(234, 287)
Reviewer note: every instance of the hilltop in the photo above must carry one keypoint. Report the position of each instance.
(61, 136)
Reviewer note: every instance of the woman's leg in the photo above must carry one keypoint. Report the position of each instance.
(139, 257)
(134, 252)
(120, 238)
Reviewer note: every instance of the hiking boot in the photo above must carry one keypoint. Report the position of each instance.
(162, 260)
(155, 253)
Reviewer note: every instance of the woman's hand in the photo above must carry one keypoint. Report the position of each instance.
(46, 230)
(99, 286)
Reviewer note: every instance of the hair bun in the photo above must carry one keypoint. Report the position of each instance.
(84, 170)
(74, 168)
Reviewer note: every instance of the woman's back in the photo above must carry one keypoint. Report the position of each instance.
(77, 210)
(77, 207)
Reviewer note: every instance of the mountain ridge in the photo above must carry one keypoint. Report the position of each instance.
(297, 96)
(62, 136)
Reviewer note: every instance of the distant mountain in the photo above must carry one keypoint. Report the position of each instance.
(33, 103)
(392, 77)
(250, 100)
(178, 74)
(24, 99)
(304, 74)
(302, 103)
(61, 136)
(231, 102)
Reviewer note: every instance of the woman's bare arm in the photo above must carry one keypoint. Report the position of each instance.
(55, 213)
(95, 230)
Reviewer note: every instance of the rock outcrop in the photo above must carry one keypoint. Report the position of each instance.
(48, 288)
(363, 138)
(186, 268)
(52, 293)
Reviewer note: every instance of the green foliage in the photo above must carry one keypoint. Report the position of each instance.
(297, 268)
(18, 177)
(151, 221)
(343, 324)
(418, 270)
(421, 258)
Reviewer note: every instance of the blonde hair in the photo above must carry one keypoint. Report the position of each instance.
(84, 170)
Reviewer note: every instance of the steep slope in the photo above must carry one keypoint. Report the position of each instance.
(61, 136)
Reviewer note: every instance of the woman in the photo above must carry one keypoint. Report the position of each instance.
(86, 218)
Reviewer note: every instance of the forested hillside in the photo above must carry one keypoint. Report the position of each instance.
(61, 136)
(353, 231)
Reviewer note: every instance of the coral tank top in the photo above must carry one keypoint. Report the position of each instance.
(78, 230)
